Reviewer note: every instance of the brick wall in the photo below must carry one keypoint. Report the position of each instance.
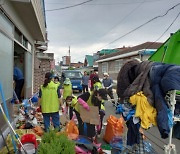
(77, 65)
(41, 67)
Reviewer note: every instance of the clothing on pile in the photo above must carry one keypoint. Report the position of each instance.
(164, 77)
(133, 78)
(176, 132)
(126, 76)
(126, 110)
(133, 134)
(154, 80)
(144, 110)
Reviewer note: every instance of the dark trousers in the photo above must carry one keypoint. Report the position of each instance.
(91, 131)
(18, 88)
(85, 88)
(80, 123)
(55, 120)
(110, 93)
(70, 112)
(102, 114)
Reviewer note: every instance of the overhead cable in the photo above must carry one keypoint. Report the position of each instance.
(164, 31)
(119, 3)
(120, 22)
(67, 7)
(158, 37)
(159, 16)
(125, 17)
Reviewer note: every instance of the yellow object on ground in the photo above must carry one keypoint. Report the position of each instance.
(144, 110)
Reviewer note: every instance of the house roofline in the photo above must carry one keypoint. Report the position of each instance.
(118, 57)
(122, 55)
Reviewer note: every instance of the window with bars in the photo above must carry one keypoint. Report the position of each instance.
(118, 64)
(104, 67)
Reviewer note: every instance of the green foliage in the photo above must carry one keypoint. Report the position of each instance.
(56, 144)
(70, 68)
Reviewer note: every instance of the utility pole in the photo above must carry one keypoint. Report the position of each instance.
(69, 57)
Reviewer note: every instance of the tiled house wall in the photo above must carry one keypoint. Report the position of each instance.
(111, 68)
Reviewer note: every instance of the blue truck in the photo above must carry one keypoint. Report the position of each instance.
(76, 78)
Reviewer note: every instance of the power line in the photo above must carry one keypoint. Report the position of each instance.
(67, 7)
(159, 16)
(164, 31)
(125, 17)
(161, 34)
(119, 22)
(110, 3)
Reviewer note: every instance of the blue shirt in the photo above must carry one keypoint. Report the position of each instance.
(108, 82)
(18, 75)
(85, 80)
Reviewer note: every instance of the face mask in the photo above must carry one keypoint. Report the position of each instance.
(69, 103)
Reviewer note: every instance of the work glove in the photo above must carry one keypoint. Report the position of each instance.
(83, 103)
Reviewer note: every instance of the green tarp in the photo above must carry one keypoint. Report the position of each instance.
(169, 52)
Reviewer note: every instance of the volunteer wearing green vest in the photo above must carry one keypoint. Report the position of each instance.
(97, 83)
(93, 99)
(56, 80)
(49, 100)
(67, 88)
(72, 103)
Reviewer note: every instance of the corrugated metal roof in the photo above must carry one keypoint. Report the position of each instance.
(90, 60)
(146, 45)
(107, 51)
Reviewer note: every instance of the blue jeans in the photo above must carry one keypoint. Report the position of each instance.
(55, 120)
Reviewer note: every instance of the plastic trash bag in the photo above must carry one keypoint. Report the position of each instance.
(72, 130)
(114, 128)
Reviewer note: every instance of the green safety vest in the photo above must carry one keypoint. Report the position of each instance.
(49, 98)
(58, 83)
(97, 86)
(90, 103)
(75, 104)
(67, 91)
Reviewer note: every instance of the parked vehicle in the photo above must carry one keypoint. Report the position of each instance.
(76, 78)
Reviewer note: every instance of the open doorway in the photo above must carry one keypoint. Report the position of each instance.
(19, 66)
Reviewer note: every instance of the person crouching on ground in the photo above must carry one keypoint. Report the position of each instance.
(94, 98)
(71, 102)
(49, 100)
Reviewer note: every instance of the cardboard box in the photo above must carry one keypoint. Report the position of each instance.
(64, 119)
(91, 116)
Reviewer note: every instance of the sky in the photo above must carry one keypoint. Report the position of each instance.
(102, 24)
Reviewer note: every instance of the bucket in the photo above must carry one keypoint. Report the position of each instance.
(29, 147)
